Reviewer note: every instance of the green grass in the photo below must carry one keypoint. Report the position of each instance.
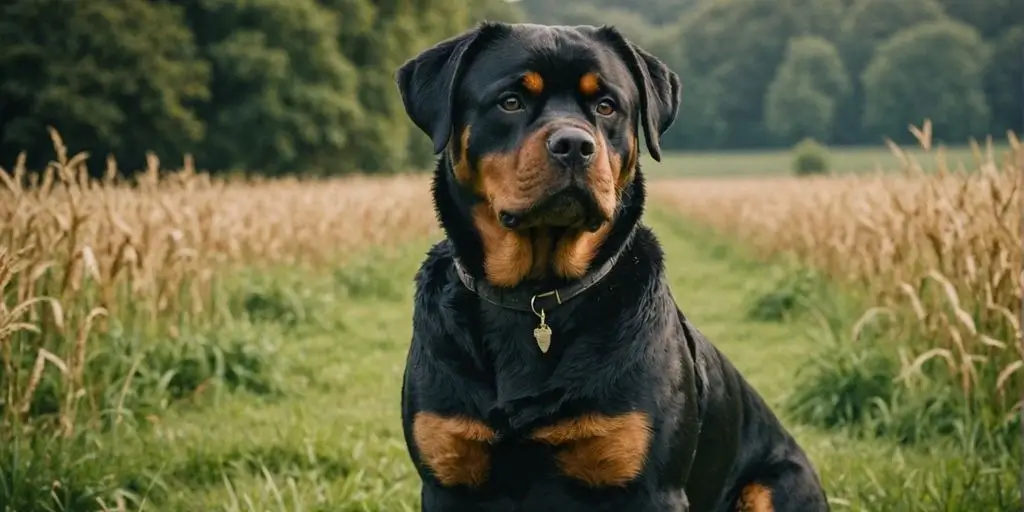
(330, 437)
(735, 163)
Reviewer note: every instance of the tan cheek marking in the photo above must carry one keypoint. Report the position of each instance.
(626, 174)
(755, 498)
(600, 450)
(589, 84)
(533, 82)
(512, 182)
(455, 449)
(508, 255)
(575, 251)
(601, 179)
(463, 173)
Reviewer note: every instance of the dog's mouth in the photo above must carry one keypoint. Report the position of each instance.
(572, 206)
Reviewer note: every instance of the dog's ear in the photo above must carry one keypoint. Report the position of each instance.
(428, 83)
(660, 88)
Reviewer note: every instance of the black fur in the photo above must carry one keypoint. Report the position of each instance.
(621, 346)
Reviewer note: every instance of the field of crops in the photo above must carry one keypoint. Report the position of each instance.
(180, 342)
(936, 256)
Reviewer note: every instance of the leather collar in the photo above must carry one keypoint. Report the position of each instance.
(523, 300)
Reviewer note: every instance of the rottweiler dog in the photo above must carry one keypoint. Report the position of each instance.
(550, 368)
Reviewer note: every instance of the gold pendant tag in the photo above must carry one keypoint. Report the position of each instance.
(543, 335)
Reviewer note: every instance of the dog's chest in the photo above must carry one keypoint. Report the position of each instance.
(529, 383)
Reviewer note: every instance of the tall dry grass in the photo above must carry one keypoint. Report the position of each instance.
(77, 253)
(940, 253)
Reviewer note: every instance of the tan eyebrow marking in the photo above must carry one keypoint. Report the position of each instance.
(588, 84)
(533, 82)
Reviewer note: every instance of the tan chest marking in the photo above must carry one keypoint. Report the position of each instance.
(601, 451)
(456, 449)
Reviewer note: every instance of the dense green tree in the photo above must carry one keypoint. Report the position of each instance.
(737, 45)
(496, 10)
(699, 123)
(869, 23)
(866, 25)
(111, 75)
(799, 111)
(654, 12)
(377, 37)
(283, 96)
(632, 25)
(814, 17)
(990, 17)
(1004, 82)
(931, 70)
(810, 83)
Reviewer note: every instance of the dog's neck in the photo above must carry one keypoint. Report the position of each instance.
(454, 204)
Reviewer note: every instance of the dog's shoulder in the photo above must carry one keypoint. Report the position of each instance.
(435, 270)
(433, 293)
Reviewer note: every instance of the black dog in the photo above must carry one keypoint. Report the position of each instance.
(550, 368)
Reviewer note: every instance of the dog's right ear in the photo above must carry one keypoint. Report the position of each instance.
(428, 83)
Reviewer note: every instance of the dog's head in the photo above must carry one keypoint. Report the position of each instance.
(540, 127)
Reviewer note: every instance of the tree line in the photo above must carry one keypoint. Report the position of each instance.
(269, 86)
(770, 72)
(279, 86)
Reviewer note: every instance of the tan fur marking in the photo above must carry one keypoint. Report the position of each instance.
(463, 172)
(755, 498)
(602, 176)
(511, 182)
(455, 449)
(576, 250)
(533, 82)
(508, 255)
(600, 450)
(626, 174)
(589, 84)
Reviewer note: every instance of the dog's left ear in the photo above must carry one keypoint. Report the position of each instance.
(428, 83)
(660, 88)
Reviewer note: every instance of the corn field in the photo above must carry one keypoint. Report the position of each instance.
(77, 252)
(940, 250)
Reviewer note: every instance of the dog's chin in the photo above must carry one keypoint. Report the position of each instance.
(571, 207)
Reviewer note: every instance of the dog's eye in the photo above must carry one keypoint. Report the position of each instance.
(511, 103)
(605, 108)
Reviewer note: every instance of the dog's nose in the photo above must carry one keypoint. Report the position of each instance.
(571, 147)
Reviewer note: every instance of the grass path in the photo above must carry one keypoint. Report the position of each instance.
(333, 441)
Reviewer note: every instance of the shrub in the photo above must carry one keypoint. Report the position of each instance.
(787, 296)
(810, 157)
